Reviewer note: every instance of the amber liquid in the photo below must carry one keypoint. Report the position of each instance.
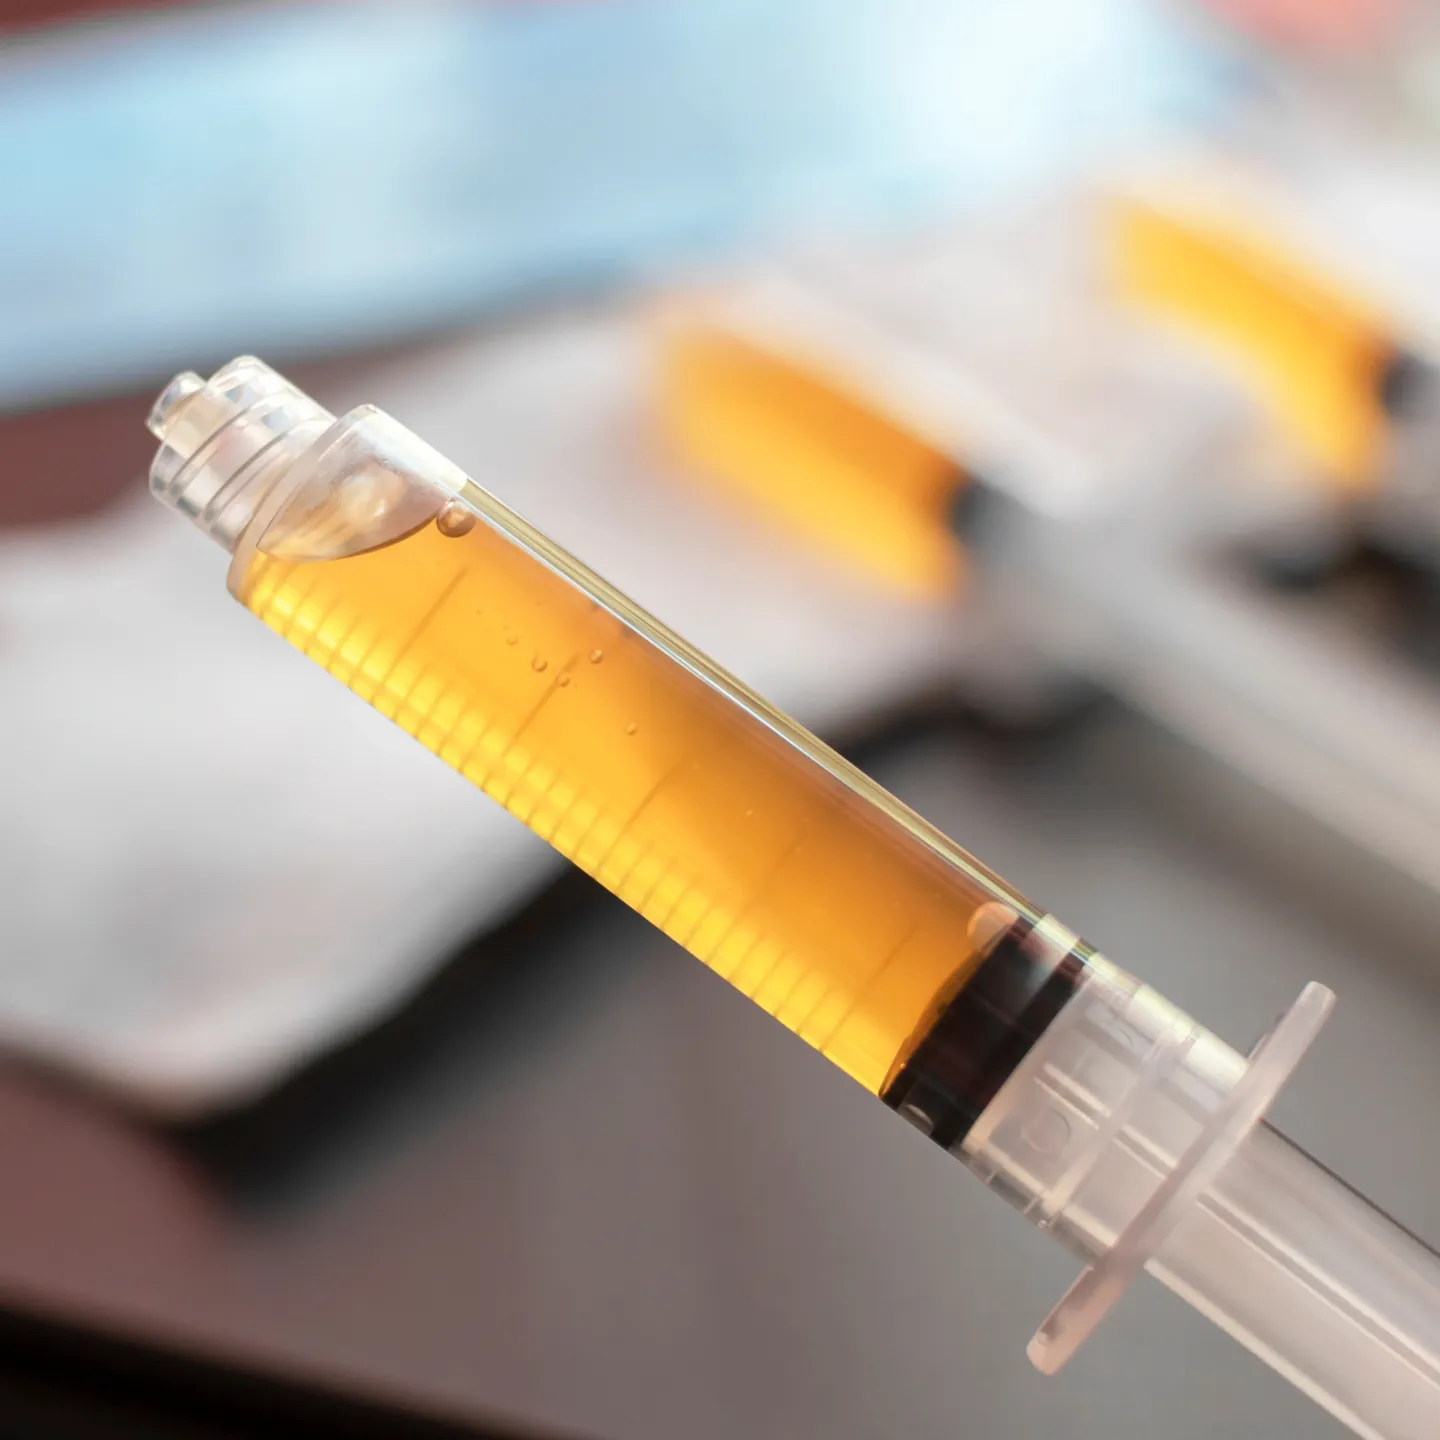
(724, 824)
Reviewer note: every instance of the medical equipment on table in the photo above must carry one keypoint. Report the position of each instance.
(1107, 1116)
(1296, 245)
(974, 415)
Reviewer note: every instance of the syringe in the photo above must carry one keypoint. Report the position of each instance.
(1110, 1118)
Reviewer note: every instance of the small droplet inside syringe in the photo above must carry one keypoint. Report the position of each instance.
(455, 520)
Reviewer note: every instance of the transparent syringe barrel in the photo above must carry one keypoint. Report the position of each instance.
(1111, 1119)
(728, 826)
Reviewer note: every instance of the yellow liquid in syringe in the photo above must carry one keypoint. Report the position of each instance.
(803, 885)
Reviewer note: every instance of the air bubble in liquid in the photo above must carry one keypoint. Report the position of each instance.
(455, 520)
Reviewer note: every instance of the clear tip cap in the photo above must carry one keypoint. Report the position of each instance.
(223, 439)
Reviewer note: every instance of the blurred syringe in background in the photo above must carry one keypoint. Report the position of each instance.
(978, 413)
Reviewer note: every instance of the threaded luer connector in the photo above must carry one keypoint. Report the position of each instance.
(225, 441)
